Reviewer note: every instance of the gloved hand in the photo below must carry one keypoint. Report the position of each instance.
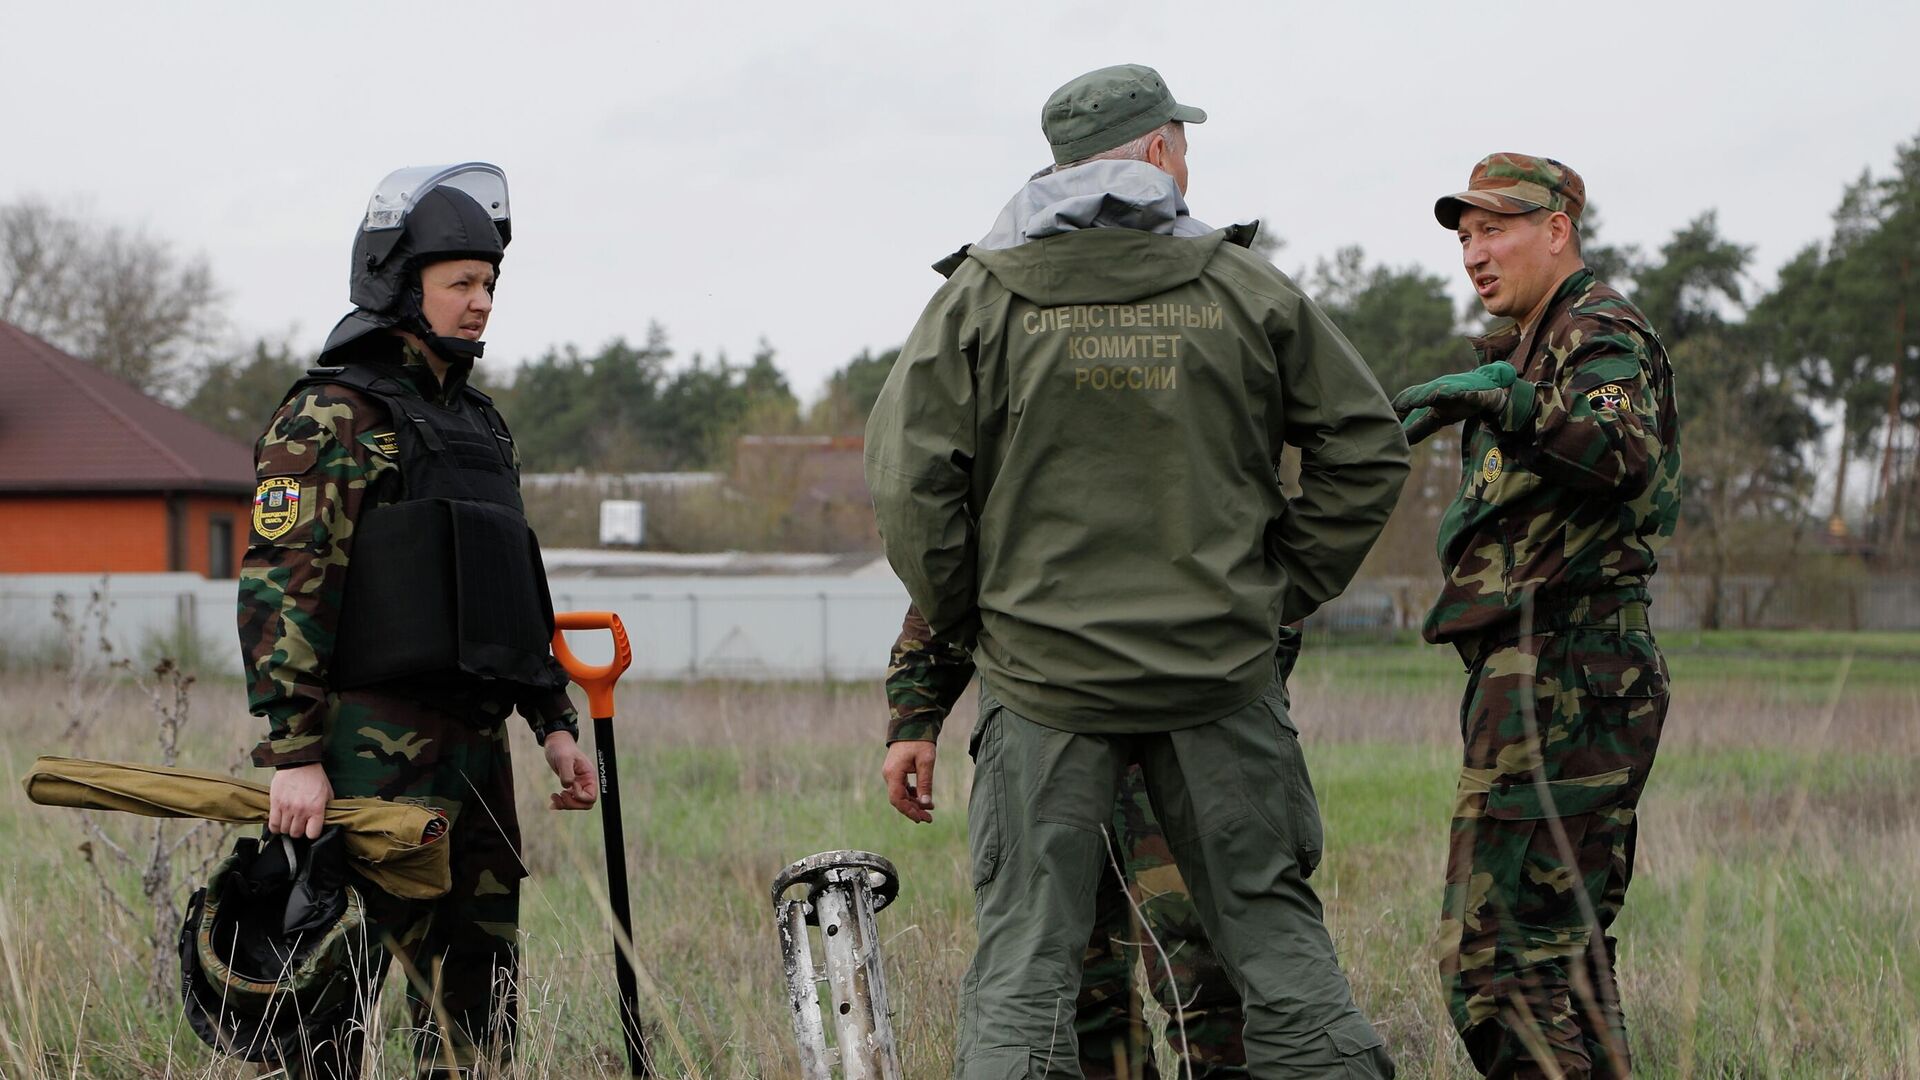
(1420, 423)
(1449, 399)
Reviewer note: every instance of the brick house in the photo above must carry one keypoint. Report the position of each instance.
(96, 477)
(820, 482)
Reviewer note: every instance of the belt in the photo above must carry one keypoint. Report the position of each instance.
(1628, 617)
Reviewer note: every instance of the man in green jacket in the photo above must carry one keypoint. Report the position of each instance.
(1569, 487)
(1141, 895)
(1072, 464)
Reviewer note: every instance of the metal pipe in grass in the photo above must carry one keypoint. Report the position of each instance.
(843, 890)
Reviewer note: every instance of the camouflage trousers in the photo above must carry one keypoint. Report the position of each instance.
(459, 953)
(1560, 730)
(1116, 1036)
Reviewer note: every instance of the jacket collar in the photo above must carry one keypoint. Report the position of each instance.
(417, 374)
(1506, 342)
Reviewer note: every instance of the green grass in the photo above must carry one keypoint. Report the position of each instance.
(1772, 929)
(1796, 643)
(1800, 663)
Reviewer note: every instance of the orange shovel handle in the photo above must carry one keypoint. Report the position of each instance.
(596, 679)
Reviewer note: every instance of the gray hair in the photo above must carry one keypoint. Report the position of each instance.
(1131, 150)
(1540, 214)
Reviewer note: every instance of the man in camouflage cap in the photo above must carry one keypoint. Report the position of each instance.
(1569, 488)
(1072, 467)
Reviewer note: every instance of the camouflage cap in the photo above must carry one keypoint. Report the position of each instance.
(1103, 109)
(1516, 184)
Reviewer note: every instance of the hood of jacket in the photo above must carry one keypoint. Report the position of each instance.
(1103, 232)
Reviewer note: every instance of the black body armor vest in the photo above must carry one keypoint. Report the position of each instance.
(446, 584)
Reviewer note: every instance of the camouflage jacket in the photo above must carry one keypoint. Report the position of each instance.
(925, 676)
(1572, 491)
(328, 456)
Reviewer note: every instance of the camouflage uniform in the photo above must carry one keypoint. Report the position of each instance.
(1566, 497)
(925, 676)
(328, 455)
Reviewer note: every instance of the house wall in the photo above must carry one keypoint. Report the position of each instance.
(121, 533)
(203, 511)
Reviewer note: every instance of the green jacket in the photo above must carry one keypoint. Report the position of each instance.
(1571, 493)
(1072, 464)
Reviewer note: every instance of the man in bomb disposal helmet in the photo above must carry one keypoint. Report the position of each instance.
(394, 612)
(419, 217)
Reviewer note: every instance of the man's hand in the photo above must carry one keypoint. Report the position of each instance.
(297, 800)
(909, 774)
(580, 786)
(1449, 399)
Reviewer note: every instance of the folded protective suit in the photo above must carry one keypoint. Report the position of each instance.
(399, 847)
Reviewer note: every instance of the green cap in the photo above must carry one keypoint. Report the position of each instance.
(1516, 184)
(1103, 109)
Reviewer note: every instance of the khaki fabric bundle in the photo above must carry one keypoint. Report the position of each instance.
(399, 847)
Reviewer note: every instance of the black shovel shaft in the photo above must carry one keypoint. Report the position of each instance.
(616, 845)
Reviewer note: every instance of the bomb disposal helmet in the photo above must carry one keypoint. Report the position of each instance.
(416, 217)
(273, 943)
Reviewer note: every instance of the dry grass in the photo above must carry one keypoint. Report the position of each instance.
(1772, 928)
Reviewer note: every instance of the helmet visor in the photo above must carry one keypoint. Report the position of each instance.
(402, 188)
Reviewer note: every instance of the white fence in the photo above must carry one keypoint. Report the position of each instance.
(681, 628)
(826, 626)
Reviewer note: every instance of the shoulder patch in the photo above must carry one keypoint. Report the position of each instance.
(276, 507)
(385, 443)
(1491, 466)
(1607, 399)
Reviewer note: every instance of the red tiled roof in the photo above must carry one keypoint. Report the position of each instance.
(65, 425)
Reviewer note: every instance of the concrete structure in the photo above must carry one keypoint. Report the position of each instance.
(734, 627)
(802, 624)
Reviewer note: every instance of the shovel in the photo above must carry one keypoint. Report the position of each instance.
(597, 680)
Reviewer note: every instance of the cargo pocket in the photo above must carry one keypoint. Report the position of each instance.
(1282, 793)
(1540, 866)
(1003, 1063)
(1362, 1053)
(986, 803)
(1524, 800)
(1635, 672)
(1309, 837)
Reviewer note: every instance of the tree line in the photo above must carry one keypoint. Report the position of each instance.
(1767, 380)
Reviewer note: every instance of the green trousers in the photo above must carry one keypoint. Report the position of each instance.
(1144, 916)
(1241, 821)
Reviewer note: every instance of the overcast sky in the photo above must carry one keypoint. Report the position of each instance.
(788, 171)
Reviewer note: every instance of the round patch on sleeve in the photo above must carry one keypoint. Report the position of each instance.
(1491, 466)
(276, 507)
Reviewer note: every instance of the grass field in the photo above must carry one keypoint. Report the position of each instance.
(1772, 929)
